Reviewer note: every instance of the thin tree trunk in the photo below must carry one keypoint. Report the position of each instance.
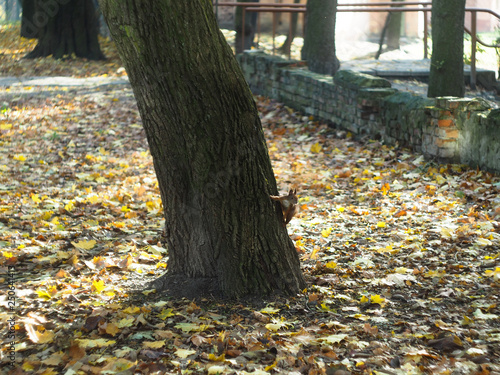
(287, 45)
(394, 30)
(208, 149)
(319, 39)
(250, 28)
(447, 61)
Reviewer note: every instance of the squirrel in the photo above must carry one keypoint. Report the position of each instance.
(288, 205)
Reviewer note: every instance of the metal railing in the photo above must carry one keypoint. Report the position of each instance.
(393, 6)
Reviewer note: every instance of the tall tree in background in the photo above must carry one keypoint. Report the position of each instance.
(394, 29)
(447, 60)
(208, 148)
(249, 25)
(287, 45)
(63, 28)
(319, 39)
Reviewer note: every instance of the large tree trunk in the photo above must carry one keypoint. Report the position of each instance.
(208, 149)
(63, 28)
(250, 28)
(447, 61)
(319, 39)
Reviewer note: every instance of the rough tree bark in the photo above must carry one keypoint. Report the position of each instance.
(63, 28)
(319, 39)
(447, 61)
(208, 149)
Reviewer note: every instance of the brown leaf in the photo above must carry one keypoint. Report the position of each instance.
(91, 323)
(446, 344)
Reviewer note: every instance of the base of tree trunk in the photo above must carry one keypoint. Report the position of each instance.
(71, 31)
(182, 286)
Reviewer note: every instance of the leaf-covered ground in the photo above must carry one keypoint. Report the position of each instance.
(401, 254)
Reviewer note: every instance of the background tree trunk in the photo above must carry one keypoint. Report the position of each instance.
(208, 149)
(319, 39)
(287, 45)
(250, 27)
(447, 60)
(394, 30)
(63, 28)
(28, 28)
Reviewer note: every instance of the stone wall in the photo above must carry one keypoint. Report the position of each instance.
(453, 130)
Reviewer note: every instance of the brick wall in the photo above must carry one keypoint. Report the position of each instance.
(446, 129)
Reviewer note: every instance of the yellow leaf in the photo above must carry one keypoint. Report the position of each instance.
(466, 321)
(47, 215)
(315, 148)
(314, 253)
(98, 343)
(377, 299)
(98, 286)
(489, 273)
(153, 344)
(46, 337)
(269, 310)
(184, 353)
(270, 367)
(70, 206)
(364, 299)
(217, 358)
(326, 232)
(334, 339)
(93, 199)
(192, 327)
(132, 310)
(274, 327)
(35, 198)
(112, 329)
(27, 366)
(19, 157)
(125, 323)
(165, 313)
(84, 245)
(385, 189)
(381, 224)
(331, 264)
(43, 294)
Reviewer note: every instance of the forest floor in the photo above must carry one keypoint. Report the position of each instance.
(401, 255)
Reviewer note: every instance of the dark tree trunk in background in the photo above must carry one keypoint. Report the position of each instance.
(319, 39)
(287, 45)
(447, 61)
(64, 28)
(28, 28)
(250, 27)
(208, 148)
(394, 30)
